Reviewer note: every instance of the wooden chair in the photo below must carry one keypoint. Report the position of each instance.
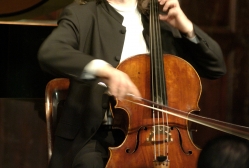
(55, 93)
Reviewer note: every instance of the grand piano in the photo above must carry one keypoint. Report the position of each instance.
(24, 24)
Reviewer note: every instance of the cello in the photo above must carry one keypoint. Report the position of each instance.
(149, 140)
(158, 136)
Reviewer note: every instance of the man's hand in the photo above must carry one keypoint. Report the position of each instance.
(175, 17)
(119, 83)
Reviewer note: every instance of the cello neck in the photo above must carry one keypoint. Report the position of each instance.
(158, 83)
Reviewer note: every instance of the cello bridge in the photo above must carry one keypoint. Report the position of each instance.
(160, 133)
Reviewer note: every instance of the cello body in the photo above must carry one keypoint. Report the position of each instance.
(183, 88)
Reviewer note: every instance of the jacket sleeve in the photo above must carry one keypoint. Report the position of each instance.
(206, 56)
(59, 54)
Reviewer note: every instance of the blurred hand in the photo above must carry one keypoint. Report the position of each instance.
(118, 83)
(173, 14)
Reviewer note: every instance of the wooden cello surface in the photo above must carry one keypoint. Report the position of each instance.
(138, 150)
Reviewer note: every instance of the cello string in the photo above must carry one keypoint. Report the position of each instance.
(153, 73)
(158, 80)
(162, 79)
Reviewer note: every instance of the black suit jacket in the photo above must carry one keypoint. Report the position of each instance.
(95, 31)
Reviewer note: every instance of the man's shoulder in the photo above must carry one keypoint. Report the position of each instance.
(83, 6)
(82, 10)
(89, 4)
